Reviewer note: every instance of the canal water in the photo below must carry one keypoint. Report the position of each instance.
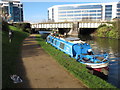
(111, 46)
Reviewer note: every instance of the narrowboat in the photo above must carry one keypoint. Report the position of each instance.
(79, 50)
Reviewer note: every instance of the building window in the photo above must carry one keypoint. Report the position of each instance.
(62, 12)
(84, 14)
(70, 15)
(69, 11)
(118, 10)
(118, 13)
(77, 11)
(118, 5)
(77, 14)
(108, 12)
(52, 14)
(61, 15)
(80, 7)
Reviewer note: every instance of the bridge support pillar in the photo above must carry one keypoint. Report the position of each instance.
(75, 29)
(73, 32)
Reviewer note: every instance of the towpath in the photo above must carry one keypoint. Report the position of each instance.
(40, 70)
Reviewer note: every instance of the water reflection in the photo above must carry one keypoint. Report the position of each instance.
(110, 46)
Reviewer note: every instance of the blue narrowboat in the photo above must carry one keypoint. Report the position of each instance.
(79, 50)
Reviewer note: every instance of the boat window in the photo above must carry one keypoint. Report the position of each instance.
(52, 40)
(62, 45)
(55, 42)
(48, 39)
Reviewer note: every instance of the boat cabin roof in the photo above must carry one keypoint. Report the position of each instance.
(72, 39)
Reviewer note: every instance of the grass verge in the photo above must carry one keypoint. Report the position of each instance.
(10, 55)
(77, 69)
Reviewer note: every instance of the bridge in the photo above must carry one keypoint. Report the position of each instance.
(71, 28)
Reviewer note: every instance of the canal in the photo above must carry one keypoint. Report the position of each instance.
(111, 46)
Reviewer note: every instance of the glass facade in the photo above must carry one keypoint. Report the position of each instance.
(108, 12)
(87, 12)
(118, 10)
(90, 12)
(11, 12)
(21, 10)
(48, 15)
(118, 5)
(80, 11)
(80, 7)
(16, 14)
(14, 10)
(52, 14)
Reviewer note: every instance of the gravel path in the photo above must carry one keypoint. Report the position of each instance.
(40, 70)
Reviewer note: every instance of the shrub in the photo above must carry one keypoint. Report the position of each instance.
(23, 26)
(103, 25)
(5, 26)
(109, 31)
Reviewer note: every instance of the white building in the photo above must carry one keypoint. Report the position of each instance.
(84, 12)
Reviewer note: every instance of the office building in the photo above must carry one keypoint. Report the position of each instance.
(12, 11)
(84, 12)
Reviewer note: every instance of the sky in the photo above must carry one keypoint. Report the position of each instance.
(36, 10)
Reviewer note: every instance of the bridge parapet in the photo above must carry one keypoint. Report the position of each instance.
(91, 24)
(52, 25)
(69, 25)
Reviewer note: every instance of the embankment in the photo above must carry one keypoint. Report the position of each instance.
(10, 54)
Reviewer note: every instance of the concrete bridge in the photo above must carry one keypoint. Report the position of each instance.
(71, 28)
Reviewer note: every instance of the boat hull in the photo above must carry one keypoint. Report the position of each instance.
(97, 65)
(79, 52)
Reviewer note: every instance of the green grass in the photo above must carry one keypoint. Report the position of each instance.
(77, 69)
(11, 54)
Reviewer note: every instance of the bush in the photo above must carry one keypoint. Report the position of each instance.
(4, 26)
(109, 31)
(103, 25)
(23, 26)
(28, 30)
(101, 32)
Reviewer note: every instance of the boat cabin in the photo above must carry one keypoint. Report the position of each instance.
(71, 48)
